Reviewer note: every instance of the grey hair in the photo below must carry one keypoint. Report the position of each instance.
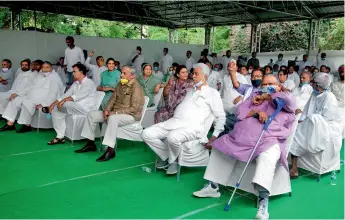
(204, 68)
(131, 69)
(275, 78)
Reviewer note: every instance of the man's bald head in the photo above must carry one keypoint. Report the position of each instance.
(305, 77)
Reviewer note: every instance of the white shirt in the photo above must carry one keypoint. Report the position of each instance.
(213, 79)
(73, 56)
(197, 106)
(82, 93)
(302, 65)
(23, 83)
(229, 93)
(158, 74)
(19, 70)
(225, 61)
(295, 78)
(138, 62)
(9, 77)
(96, 71)
(321, 62)
(189, 63)
(165, 62)
(337, 89)
(249, 79)
(281, 63)
(302, 94)
(289, 84)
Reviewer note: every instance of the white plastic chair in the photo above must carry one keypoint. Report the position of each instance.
(193, 153)
(39, 120)
(75, 123)
(149, 116)
(131, 132)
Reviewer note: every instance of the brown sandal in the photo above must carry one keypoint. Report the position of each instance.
(57, 141)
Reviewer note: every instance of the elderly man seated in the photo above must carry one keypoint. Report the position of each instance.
(188, 122)
(303, 92)
(6, 76)
(78, 100)
(124, 107)
(252, 114)
(20, 87)
(319, 126)
(337, 89)
(47, 86)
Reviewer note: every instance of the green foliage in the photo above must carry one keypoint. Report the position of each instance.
(281, 36)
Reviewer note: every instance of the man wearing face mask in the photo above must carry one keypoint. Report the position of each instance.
(337, 89)
(321, 60)
(156, 72)
(303, 92)
(123, 108)
(47, 86)
(293, 75)
(319, 126)
(213, 79)
(96, 70)
(165, 61)
(252, 114)
(20, 87)
(190, 60)
(280, 61)
(138, 60)
(187, 123)
(6, 76)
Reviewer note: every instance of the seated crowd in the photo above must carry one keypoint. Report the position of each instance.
(239, 96)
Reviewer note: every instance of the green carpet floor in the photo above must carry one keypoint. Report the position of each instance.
(41, 181)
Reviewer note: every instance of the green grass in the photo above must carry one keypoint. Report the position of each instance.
(54, 184)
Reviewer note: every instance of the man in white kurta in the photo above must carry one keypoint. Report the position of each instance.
(303, 92)
(73, 55)
(166, 60)
(280, 62)
(79, 99)
(303, 63)
(188, 123)
(96, 70)
(189, 61)
(321, 60)
(293, 75)
(214, 79)
(6, 76)
(226, 59)
(46, 87)
(20, 87)
(137, 60)
(337, 89)
(286, 84)
(319, 126)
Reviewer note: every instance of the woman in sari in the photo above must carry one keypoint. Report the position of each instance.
(174, 93)
(109, 80)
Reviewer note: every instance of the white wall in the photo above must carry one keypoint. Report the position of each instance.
(17, 45)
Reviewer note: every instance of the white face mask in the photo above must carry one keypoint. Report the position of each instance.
(198, 84)
(250, 71)
(4, 69)
(46, 73)
(170, 72)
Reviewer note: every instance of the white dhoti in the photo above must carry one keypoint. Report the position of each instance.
(166, 142)
(4, 96)
(12, 109)
(315, 134)
(220, 167)
(114, 122)
(59, 116)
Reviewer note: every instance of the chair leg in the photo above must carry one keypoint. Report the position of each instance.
(178, 172)
(38, 122)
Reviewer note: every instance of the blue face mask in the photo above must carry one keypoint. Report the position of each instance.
(269, 89)
(48, 116)
(215, 69)
(155, 68)
(316, 92)
(256, 83)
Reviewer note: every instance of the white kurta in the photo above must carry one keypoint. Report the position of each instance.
(158, 74)
(187, 124)
(9, 77)
(338, 90)
(302, 95)
(165, 62)
(21, 86)
(96, 71)
(321, 62)
(229, 93)
(226, 60)
(289, 84)
(295, 78)
(302, 65)
(189, 63)
(73, 56)
(320, 128)
(213, 79)
(138, 62)
(281, 63)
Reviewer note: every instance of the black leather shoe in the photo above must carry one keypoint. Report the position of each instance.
(88, 147)
(109, 154)
(8, 128)
(24, 129)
